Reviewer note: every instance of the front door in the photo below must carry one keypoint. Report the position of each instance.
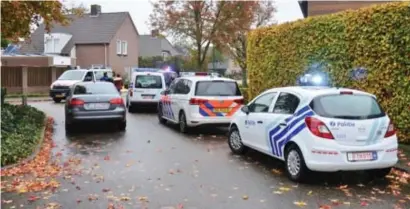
(255, 123)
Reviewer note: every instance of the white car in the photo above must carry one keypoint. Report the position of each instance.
(317, 129)
(60, 87)
(146, 86)
(200, 100)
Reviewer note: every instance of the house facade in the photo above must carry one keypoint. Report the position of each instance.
(313, 8)
(109, 39)
(155, 45)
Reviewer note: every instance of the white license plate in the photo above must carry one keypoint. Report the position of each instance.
(97, 106)
(60, 95)
(361, 156)
(147, 97)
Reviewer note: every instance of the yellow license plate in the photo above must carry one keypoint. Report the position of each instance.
(223, 110)
(59, 95)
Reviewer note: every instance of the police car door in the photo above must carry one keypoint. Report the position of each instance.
(260, 113)
(182, 89)
(285, 122)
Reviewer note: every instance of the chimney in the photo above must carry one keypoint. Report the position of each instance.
(95, 10)
(154, 33)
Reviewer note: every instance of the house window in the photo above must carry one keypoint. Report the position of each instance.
(124, 47)
(118, 47)
(56, 45)
(164, 55)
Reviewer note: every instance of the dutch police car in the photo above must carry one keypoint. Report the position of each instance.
(145, 87)
(315, 128)
(199, 99)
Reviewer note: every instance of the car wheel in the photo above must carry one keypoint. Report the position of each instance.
(160, 118)
(69, 128)
(183, 127)
(295, 164)
(57, 100)
(379, 173)
(131, 109)
(235, 141)
(122, 125)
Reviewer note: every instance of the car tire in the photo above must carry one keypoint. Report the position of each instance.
(182, 124)
(57, 100)
(69, 128)
(235, 142)
(122, 125)
(295, 165)
(379, 173)
(160, 118)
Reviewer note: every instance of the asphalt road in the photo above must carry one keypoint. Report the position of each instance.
(153, 166)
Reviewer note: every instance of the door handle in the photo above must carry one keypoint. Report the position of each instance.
(260, 122)
(283, 124)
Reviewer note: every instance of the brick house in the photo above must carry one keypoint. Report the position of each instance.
(313, 8)
(97, 38)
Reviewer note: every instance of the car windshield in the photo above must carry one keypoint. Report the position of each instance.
(148, 82)
(73, 75)
(100, 74)
(347, 106)
(95, 88)
(217, 88)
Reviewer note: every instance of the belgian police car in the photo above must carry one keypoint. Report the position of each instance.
(315, 128)
(199, 99)
(145, 86)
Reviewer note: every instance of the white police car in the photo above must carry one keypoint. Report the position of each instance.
(317, 129)
(199, 99)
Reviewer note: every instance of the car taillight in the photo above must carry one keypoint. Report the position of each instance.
(390, 130)
(117, 101)
(201, 73)
(76, 102)
(346, 92)
(195, 101)
(318, 128)
(239, 101)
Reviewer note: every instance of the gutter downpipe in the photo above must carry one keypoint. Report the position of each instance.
(105, 55)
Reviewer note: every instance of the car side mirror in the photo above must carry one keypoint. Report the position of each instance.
(245, 109)
(165, 92)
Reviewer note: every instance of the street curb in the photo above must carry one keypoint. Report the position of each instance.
(38, 147)
(400, 168)
(28, 100)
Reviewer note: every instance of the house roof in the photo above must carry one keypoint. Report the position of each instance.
(85, 30)
(150, 45)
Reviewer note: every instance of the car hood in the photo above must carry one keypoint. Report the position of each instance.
(64, 82)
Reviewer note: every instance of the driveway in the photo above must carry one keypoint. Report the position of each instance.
(153, 166)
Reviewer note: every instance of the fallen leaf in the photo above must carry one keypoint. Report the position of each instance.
(364, 203)
(300, 203)
(325, 207)
(125, 198)
(245, 197)
(285, 189)
(310, 192)
(276, 171)
(105, 190)
(7, 201)
(32, 198)
(277, 192)
(346, 203)
(143, 199)
(107, 157)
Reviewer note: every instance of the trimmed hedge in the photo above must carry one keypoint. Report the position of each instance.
(21, 127)
(376, 38)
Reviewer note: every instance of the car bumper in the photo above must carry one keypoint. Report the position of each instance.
(146, 103)
(327, 160)
(118, 114)
(59, 93)
(217, 121)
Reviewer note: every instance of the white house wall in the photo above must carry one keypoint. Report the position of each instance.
(55, 42)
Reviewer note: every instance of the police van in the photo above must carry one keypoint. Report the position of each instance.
(199, 99)
(317, 128)
(145, 87)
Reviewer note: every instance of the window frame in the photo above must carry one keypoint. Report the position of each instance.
(270, 108)
(119, 47)
(286, 92)
(124, 47)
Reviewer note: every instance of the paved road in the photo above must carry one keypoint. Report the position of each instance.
(157, 167)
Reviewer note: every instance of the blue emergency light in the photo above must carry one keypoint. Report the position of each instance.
(315, 75)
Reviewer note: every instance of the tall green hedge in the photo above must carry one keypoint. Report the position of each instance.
(376, 38)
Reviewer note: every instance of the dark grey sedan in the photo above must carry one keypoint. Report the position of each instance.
(94, 102)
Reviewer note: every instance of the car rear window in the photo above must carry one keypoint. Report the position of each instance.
(347, 106)
(217, 88)
(73, 75)
(148, 82)
(95, 88)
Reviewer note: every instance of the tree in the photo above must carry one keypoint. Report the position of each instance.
(235, 43)
(201, 22)
(17, 17)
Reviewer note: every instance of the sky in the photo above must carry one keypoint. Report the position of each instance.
(287, 10)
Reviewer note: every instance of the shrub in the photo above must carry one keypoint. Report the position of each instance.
(20, 132)
(376, 38)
